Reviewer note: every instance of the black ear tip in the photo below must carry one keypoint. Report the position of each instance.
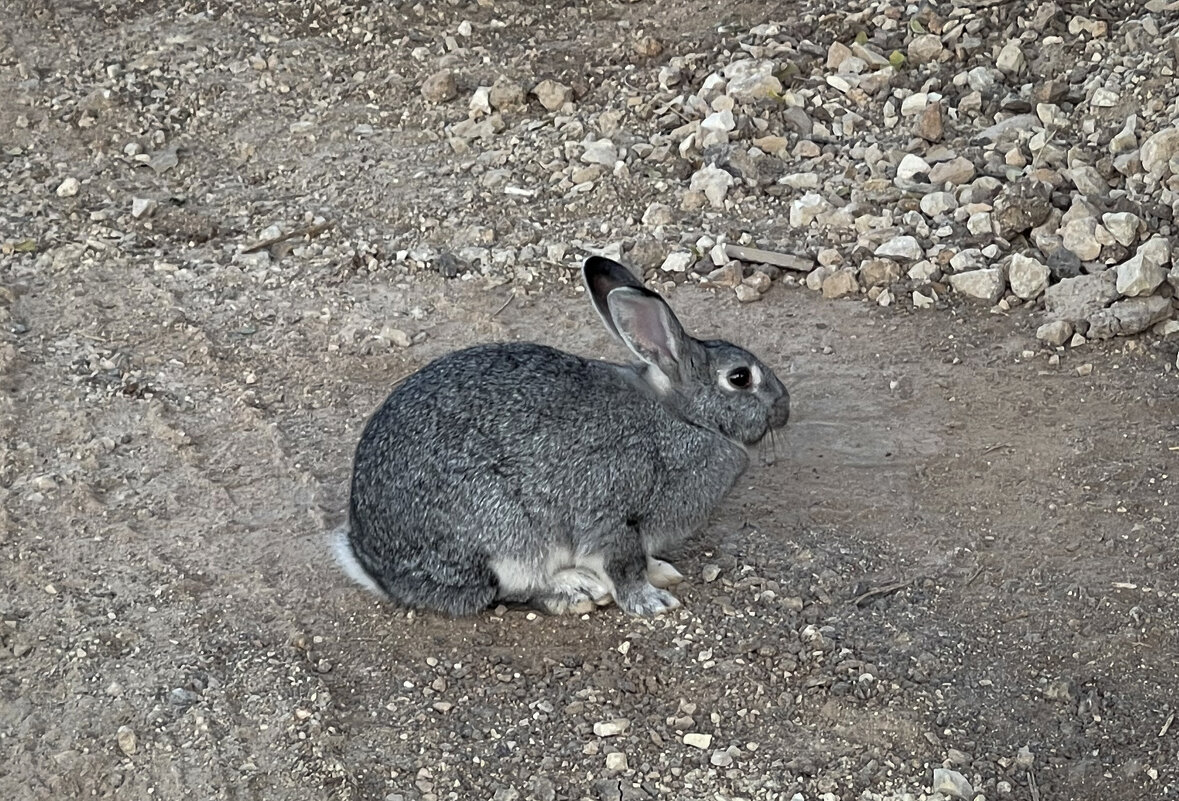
(605, 273)
(600, 265)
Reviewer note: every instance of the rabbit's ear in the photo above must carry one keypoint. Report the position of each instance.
(601, 276)
(646, 325)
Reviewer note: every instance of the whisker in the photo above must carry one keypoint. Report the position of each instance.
(769, 450)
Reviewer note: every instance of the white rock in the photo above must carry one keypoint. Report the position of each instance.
(551, 94)
(1123, 225)
(657, 214)
(1011, 59)
(804, 210)
(1050, 115)
(714, 129)
(952, 784)
(837, 53)
(871, 57)
(600, 151)
(1088, 180)
(985, 284)
(801, 180)
(69, 187)
(746, 293)
(967, 259)
(750, 80)
(1028, 276)
(936, 203)
(127, 741)
(1142, 273)
(1079, 236)
(611, 728)
(841, 83)
(957, 171)
(670, 76)
(1125, 140)
(980, 223)
(1104, 98)
(905, 248)
(394, 336)
(981, 79)
(923, 271)
(713, 182)
(142, 207)
(698, 740)
(925, 48)
(480, 104)
(911, 166)
(921, 301)
(1056, 332)
(713, 87)
(914, 104)
(677, 262)
(840, 284)
(721, 759)
(1157, 151)
(616, 760)
(1156, 250)
(815, 278)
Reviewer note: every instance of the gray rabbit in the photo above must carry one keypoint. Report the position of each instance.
(520, 473)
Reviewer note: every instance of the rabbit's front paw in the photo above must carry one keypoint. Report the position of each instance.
(575, 591)
(645, 600)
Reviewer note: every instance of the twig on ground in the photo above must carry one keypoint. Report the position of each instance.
(306, 230)
(879, 592)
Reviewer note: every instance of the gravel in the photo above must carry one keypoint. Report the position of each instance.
(1017, 158)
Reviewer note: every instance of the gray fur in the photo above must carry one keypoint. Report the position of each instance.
(517, 472)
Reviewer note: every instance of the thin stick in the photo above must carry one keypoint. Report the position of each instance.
(887, 589)
(307, 230)
(511, 297)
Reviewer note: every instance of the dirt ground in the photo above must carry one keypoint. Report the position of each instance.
(963, 556)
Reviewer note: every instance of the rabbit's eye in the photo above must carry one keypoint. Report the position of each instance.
(740, 377)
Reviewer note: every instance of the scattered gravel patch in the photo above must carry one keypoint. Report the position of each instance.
(237, 164)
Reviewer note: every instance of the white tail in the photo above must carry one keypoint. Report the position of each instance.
(346, 557)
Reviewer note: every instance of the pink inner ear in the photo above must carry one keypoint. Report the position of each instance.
(644, 323)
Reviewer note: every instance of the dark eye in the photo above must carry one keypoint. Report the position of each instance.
(740, 377)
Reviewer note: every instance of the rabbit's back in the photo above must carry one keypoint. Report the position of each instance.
(496, 423)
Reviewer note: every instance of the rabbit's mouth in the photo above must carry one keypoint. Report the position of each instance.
(779, 414)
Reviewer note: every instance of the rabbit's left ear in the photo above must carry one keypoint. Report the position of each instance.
(602, 276)
(646, 325)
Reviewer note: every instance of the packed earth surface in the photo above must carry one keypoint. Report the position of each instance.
(229, 228)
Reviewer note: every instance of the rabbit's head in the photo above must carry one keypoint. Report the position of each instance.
(710, 383)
